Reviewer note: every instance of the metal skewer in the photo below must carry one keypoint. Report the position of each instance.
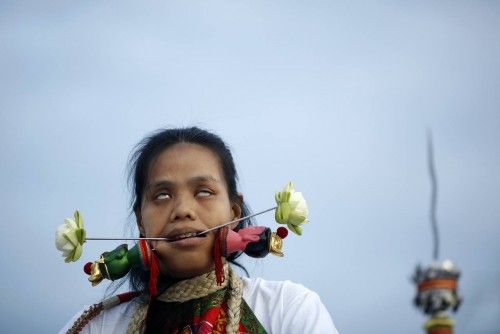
(197, 234)
(157, 239)
(235, 221)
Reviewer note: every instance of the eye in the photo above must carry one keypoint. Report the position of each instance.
(204, 193)
(162, 195)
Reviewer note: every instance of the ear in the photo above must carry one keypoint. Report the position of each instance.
(236, 208)
(138, 219)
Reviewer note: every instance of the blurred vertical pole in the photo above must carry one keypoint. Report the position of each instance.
(437, 285)
(434, 195)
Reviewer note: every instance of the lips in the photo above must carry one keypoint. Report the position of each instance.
(183, 236)
(180, 234)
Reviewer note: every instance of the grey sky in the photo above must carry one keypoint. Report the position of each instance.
(336, 97)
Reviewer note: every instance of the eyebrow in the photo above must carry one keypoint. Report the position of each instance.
(195, 179)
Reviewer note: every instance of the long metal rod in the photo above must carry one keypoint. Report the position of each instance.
(197, 234)
(157, 239)
(236, 220)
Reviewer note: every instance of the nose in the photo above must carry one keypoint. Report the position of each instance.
(183, 209)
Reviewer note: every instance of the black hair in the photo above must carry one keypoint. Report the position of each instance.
(143, 157)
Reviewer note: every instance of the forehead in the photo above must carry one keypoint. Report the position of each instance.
(186, 160)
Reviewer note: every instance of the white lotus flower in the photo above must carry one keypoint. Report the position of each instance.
(70, 237)
(292, 209)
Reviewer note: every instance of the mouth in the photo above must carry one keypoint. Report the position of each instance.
(187, 235)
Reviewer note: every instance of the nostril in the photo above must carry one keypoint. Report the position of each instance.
(183, 212)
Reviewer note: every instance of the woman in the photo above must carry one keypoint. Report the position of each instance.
(184, 183)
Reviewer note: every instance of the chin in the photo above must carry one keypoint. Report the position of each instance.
(186, 267)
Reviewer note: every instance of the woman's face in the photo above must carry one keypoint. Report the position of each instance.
(185, 193)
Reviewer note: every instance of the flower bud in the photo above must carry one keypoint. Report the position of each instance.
(70, 237)
(292, 209)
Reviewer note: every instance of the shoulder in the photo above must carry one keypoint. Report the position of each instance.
(112, 320)
(257, 290)
(287, 307)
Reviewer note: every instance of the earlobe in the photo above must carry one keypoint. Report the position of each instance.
(236, 211)
(237, 208)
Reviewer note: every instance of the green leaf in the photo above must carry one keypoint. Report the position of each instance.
(67, 259)
(287, 195)
(71, 237)
(295, 229)
(80, 235)
(282, 213)
(78, 219)
(78, 252)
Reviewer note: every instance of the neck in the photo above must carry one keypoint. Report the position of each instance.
(193, 288)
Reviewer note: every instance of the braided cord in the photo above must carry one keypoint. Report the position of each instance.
(136, 323)
(234, 303)
(195, 288)
(84, 319)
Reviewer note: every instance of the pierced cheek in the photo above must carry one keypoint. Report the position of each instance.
(153, 244)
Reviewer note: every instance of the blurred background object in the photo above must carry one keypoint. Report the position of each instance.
(437, 285)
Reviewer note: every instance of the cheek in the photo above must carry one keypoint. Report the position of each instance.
(219, 215)
(151, 218)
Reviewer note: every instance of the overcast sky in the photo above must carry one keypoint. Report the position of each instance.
(336, 97)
